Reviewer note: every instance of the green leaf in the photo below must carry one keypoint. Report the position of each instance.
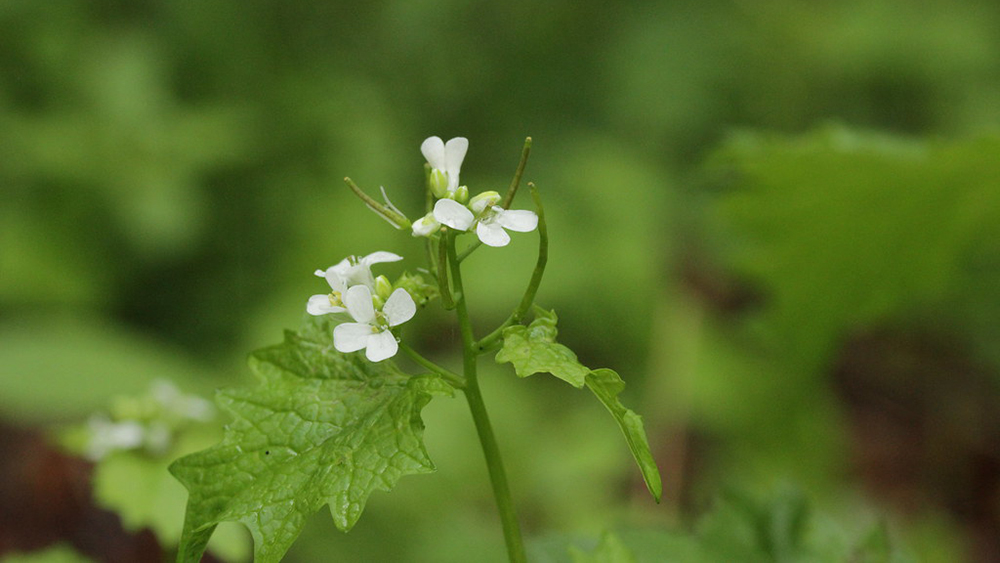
(610, 550)
(320, 428)
(606, 384)
(141, 491)
(533, 349)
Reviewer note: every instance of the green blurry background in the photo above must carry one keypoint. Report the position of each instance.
(779, 221)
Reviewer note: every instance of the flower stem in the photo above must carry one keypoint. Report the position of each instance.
(387, 211)
(512, 190)
(453, 379)
(494, 462)
(492, 339)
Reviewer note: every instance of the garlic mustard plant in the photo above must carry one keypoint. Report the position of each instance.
(335, 417)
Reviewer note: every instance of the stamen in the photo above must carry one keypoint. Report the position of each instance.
(336, 300)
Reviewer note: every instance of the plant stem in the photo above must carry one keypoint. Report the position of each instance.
(494, 462)
(453, 379)
(493, 339)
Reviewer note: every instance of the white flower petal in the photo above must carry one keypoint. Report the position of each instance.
(320, 273)
(453, 214)
(358, 300)
(320, 305)
(492, 234)
(351, 337)
(381, 346)
(341, 267)
(454, 154)
(336, 279)
(520, 220)
(399, 307)
(379, 257)
(358, 274)
(433, 150)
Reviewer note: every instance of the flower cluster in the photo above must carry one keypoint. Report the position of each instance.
(371, 302)
(455, 210)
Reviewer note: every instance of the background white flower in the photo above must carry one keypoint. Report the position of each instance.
(372, 331)
(446, 158)
(107, 436)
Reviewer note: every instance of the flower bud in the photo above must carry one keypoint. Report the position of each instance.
(484, 200)
(383, 288)
(438, 183)
(426, 226)
(461, 194)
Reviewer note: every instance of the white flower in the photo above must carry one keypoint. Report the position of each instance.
(445, 159)
(494, 220)
(176, 403)
(371, 331)
(489, 219)
(348, 272)
(107, 436)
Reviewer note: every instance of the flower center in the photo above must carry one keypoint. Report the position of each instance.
(336, 300)
(489, 214)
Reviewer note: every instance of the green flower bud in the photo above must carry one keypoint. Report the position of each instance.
(438, 182)
(383, 288)
(461, 194)
(419, 288)
(426, 226)
(483, 200)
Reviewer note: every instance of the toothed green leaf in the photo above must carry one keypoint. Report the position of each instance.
(533, 349)
(320, 428)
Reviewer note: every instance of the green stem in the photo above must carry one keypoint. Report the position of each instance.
(512, 190)
(472, 247)
(453, 379)
(395, 218)
(494, 462)
(442, 272)
(492, 339)
(509, 196)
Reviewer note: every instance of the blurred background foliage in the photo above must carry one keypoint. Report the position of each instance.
(780, 222)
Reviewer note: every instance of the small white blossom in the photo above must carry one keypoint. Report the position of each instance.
(489, 219)
(494, 220)
(348, 272)
(371, 330)
(107, 436)
(179, 404)
(445, 160)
